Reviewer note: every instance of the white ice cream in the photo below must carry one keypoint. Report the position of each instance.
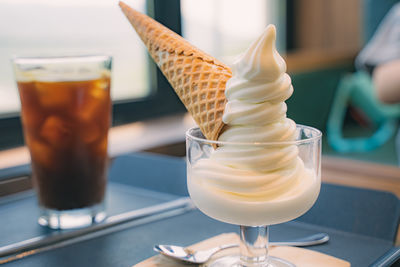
(255, 185)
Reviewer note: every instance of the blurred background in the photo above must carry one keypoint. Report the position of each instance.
(320, 41)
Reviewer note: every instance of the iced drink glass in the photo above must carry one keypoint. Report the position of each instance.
(254, 185)
(66, 114)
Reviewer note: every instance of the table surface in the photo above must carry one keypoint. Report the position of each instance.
(351, 217)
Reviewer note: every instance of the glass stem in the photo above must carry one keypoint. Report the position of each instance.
(254, 245)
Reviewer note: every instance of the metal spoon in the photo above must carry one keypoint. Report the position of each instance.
(201, 256)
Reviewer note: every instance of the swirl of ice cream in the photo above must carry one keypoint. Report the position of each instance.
(256, 113)
(238, 172)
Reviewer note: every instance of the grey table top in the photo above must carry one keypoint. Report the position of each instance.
(351, 216)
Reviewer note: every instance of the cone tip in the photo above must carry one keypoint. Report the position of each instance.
(129, 12)
(123, 6)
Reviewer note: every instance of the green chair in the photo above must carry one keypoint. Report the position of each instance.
(357, 90)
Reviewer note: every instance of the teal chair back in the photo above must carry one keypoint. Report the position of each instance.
(357, 90)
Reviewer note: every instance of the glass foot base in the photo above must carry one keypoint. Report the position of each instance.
(68, 219)
(234, 261)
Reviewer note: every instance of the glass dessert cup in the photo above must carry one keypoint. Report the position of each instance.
(254, 185)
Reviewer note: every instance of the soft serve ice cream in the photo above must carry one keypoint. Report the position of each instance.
(247, 184)
(244, 180)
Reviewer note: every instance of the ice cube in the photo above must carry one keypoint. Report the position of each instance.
(100, 89)
(89, 132)
(91, 115)
(41, 154)
(89, 111)
(94, 105)
(56, 131)
(52, 94)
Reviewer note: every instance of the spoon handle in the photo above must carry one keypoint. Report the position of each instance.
(301, 242)
(222, 247)
(304, 241)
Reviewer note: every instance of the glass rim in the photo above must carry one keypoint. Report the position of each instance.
(59, 59)
(318, 135)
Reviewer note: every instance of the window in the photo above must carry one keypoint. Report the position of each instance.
(225, 28)
(139, 90)
(69, 27)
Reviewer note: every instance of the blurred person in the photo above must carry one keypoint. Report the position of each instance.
(381, 58)
(386, 78)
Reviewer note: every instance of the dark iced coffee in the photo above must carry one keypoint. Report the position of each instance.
(65, 126)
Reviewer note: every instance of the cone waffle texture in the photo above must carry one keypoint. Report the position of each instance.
(197, 78)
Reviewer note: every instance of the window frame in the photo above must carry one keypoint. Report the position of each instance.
(161, 101)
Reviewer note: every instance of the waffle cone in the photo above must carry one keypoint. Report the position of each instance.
(197, 78)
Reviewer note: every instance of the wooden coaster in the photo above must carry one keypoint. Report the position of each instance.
(299, 256)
